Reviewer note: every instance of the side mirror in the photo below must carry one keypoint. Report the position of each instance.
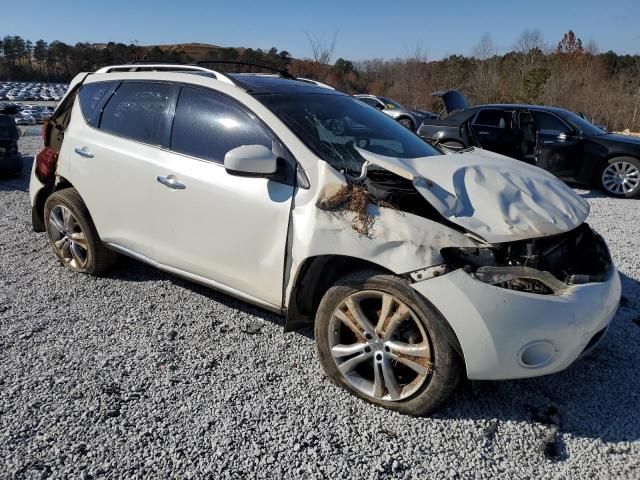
(562, 137)
(251, 160)
(380, 107)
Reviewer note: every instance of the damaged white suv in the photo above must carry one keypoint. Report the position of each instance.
(415, 267)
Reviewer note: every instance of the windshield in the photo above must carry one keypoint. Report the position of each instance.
(586, 127)
(333, 125)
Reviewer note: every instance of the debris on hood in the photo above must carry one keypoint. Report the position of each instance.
(494, 197)
(355, 198)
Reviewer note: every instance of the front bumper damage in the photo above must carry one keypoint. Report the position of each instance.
(513, 330)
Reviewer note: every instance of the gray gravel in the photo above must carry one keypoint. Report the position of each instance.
(140, 374)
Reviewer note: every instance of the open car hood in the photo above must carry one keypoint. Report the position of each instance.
(494, 197)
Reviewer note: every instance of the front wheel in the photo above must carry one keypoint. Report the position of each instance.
(620, 177)
(377, 338)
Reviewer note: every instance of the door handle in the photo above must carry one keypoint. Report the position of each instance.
(483, 132)
(84, 152)
(171, 181)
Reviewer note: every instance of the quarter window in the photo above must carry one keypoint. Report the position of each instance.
(208, 125)
(137, 110)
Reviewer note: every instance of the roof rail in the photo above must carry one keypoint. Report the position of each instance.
(282, 71)
(134, 67)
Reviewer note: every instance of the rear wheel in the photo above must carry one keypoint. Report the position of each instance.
(73, 236)
(377, 338)
(620, 177)
(407, 123)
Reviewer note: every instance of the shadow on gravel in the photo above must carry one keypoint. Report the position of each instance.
(20, 181)
(596, 398)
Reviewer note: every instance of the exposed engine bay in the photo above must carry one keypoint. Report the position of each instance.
(547, 265)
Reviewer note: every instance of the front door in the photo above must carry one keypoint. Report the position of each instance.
(226, 228)
(558, 146)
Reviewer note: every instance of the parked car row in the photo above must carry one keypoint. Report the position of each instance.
(26, 114)
(472, 264)
(32, 91)
(555, 139)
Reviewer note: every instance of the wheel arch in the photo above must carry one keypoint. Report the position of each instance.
(314, 277)
(37, 212)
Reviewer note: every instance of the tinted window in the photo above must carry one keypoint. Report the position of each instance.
(493, 118)
(91, 95)
(546, 121)
(333, 125)
(137, 111)
(208, 125)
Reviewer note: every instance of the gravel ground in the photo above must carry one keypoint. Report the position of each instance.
(140, 374)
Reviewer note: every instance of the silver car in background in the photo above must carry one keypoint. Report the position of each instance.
(412, 119)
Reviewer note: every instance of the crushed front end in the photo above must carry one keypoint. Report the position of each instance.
(529, 307)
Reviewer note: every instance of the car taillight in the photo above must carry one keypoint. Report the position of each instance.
(46, 162)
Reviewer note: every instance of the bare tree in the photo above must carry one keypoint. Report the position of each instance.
(487, 71)
(321, 48)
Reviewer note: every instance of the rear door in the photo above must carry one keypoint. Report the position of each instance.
(492, 129)
(558, 148)
(226, 228)
(114, 141)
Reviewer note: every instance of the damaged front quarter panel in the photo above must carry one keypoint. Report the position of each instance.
(398, 241)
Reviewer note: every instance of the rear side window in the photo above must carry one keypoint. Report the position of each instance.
(493, 118)
(91, 95)
(137, 110)
(547, 121)
(208, 125)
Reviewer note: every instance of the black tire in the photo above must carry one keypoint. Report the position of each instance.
(446, 366)
(632, 165)
(407, 123)
(98, 258)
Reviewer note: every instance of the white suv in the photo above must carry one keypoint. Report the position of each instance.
(414, 267)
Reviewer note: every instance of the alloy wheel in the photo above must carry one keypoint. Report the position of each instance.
(67, 237)
(380, 346)
(621, 178)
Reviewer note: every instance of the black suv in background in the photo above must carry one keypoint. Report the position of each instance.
(555, 139)
(9, 157)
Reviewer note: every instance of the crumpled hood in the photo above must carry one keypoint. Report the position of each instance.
(492, 196)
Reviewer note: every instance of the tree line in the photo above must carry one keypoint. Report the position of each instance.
(570, 73)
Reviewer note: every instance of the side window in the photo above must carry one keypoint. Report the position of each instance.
(137, 111)
(370, 101)
(208, 125)
(547, 121)
(91, 95)
(492, 118)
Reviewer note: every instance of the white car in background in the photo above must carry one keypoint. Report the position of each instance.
(414, 268)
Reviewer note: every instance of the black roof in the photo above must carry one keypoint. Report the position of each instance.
(259, 84)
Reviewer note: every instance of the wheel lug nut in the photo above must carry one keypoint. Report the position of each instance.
(367, 349)
(387, 349)
(368, 336)
(378, 356)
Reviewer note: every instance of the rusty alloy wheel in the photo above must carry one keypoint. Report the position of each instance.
(380, 346)
(68, 238)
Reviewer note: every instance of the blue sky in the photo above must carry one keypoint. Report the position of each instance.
(365, 29)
